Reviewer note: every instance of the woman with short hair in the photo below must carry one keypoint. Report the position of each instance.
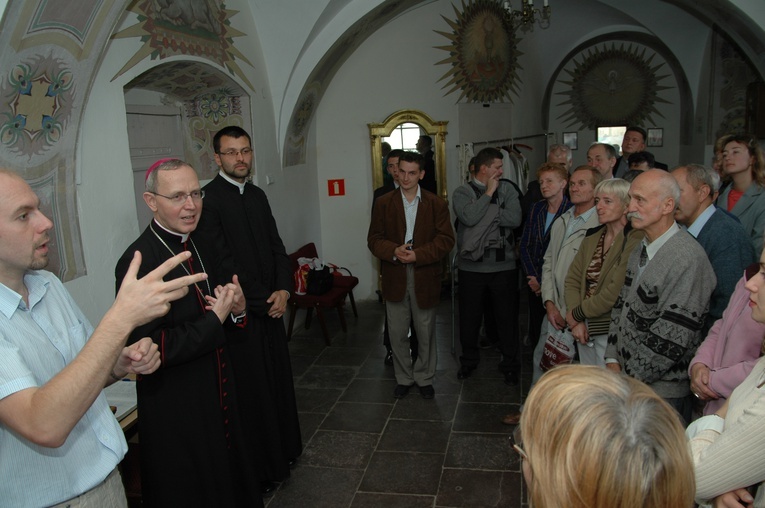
(596, 275)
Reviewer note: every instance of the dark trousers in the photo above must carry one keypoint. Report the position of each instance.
(479, 292)
(683, 406)
(536, 314)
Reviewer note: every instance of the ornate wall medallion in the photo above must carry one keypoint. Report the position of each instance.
(483, 53)
(613, 86)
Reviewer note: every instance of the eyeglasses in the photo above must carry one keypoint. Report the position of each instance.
(517, 440)
(181, 197)
(235, 153)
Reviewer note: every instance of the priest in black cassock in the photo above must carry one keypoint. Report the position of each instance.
(193, 450)
(238, 215)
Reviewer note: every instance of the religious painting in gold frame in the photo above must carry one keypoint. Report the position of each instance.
(483, 52)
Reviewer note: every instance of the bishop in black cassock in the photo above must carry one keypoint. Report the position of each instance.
(192, 452)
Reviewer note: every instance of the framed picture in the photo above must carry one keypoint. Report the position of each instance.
(571, 140)
(655, 137)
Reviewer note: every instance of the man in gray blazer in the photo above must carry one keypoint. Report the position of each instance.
(720, 234)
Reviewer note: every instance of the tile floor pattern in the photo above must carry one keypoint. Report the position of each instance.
(363, 448)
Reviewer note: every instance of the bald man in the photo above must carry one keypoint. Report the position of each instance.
(657, 320)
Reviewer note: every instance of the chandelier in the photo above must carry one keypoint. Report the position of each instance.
(527, 16)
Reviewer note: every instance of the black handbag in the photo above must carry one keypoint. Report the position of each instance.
(319, 281)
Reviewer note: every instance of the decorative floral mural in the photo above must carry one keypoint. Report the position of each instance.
(205, 115)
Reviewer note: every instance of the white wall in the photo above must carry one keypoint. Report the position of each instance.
(392, 70)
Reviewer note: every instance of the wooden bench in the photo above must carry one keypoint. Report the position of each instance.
(335, 298)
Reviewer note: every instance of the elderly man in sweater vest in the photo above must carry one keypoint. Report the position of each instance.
(656, 323)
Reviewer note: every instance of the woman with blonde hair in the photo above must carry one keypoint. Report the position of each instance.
(592, 438)
(744, 164)
(596, 275)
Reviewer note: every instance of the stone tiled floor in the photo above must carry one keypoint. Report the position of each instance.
(363, 448)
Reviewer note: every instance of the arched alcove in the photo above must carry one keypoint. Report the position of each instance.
(174, 109)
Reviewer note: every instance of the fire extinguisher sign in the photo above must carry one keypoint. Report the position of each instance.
(336, 187)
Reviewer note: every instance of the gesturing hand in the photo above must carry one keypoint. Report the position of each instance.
(141, 300)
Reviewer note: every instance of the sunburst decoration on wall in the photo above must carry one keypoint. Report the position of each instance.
(613, 86)
(483, 53)
(180, 28)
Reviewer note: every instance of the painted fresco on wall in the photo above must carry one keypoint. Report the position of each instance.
(208, 100)
(731, 73)
(613, 84)
(40, 93)
(483, 53)
(185, 28)
(49, 58)
(205, 115)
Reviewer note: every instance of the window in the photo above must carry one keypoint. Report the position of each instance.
(612, 136)
(404, 136)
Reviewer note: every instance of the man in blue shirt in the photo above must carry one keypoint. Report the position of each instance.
(58, 438)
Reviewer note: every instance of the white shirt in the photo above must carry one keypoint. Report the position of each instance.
(701, 221)
(410, 212)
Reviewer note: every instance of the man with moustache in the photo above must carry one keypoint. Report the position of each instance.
(602, 157)
(193, 449)
(238, 218)
(657, 320)
(59, 441)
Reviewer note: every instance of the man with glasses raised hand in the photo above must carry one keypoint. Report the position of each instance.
(193, 448)
(238, 217)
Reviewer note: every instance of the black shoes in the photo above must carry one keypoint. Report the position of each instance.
(511, 378)
(464, 372)
(267, 488)
(389, 358)
(401, 391)
(487, 344)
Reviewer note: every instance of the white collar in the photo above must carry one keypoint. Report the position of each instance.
(233, 182)
(183, 236)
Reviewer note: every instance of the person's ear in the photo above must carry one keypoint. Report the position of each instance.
(151, 200)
